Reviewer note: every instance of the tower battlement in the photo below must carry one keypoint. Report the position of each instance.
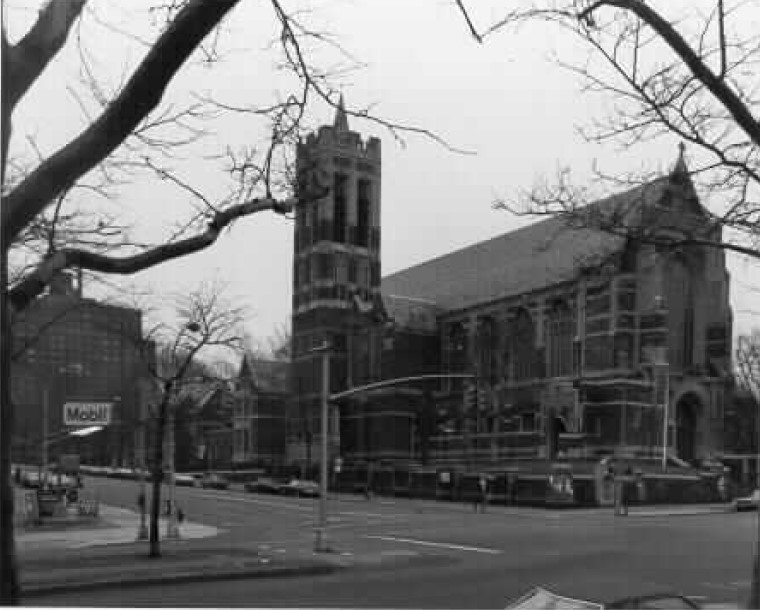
(345, 141)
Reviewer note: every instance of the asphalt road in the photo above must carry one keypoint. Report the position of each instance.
(466, 560)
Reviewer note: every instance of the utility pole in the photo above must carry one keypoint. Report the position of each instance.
(45, 431)
(320, 544)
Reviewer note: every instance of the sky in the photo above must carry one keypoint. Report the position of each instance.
(507, 103)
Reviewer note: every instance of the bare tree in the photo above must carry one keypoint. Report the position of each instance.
(666, 70)
(129, 128)
(205, 321)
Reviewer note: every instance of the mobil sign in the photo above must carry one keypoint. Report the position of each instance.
(87, 413)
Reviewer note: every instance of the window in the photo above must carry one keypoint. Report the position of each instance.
(341, 268)
(339, 210)
(324, 264)
(680, 304)
(457, 347)
(352, 270)
(560, 340)
(363, 272)
(487, 347)
(522, 342)
(363, 213)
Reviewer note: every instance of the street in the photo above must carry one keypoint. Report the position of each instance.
(462, 559)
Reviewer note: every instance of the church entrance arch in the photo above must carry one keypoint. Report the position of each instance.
(556, 426)
(687, 412)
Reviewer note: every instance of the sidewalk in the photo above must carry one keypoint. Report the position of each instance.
(115, 526)
(108, 555)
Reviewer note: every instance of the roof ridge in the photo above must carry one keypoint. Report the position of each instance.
(531, 227)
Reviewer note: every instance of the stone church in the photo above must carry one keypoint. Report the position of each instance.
(551, 341)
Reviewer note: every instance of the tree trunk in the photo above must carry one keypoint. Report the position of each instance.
(158, 477)
(9, 585)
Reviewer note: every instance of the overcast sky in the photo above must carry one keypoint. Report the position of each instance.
(506, 101)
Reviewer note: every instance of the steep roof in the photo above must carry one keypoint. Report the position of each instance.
(270, 375)
(522, 261)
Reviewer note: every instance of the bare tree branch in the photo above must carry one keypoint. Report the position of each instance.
(139, 97)
(33, 285)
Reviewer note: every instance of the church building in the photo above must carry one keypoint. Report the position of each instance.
(551, 341)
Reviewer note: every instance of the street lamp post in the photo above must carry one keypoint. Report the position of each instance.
(320, 542)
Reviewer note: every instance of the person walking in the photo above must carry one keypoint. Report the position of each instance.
(481, 495)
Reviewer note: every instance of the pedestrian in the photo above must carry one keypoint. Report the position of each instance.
(483, 484)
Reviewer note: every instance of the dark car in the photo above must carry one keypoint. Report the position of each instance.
(214, 481)
(749, 502)
(264, 485)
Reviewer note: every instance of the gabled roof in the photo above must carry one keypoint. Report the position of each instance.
(528, 259)
(265, 375)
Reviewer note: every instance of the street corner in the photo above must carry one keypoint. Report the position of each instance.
(114, 526)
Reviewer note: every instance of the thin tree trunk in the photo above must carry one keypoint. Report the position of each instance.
(9, 584)
(158, 477)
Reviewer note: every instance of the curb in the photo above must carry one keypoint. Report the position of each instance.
(691, 513)
(32, 590)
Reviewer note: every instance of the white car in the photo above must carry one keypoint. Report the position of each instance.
(749, 502)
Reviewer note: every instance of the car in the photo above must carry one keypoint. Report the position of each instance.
(263, 485)
(301, 488)
(185, 480)
(539, 598)
(214, 481)
(749, 502)
(31, 479)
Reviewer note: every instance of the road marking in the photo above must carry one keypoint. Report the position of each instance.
(360, 514)
(443, 545)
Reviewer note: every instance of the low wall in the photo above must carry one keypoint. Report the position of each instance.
(573, 489)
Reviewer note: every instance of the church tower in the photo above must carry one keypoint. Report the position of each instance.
(336, 275)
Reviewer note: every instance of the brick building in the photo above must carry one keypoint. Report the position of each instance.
(261, 390)
(71, 348)
(574, 337)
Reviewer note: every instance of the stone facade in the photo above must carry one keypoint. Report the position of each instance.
(574, 338)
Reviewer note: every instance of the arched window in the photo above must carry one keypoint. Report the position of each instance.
(487, 348)
(456, 348)
(339, 210)
(522, 346)
(680, 304)
(559, 340)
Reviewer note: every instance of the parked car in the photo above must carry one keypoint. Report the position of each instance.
(185, 480)
(301, 488)
(749, 502)
(214, 481)
(31, 479)
(539, 598)
(263, 485)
